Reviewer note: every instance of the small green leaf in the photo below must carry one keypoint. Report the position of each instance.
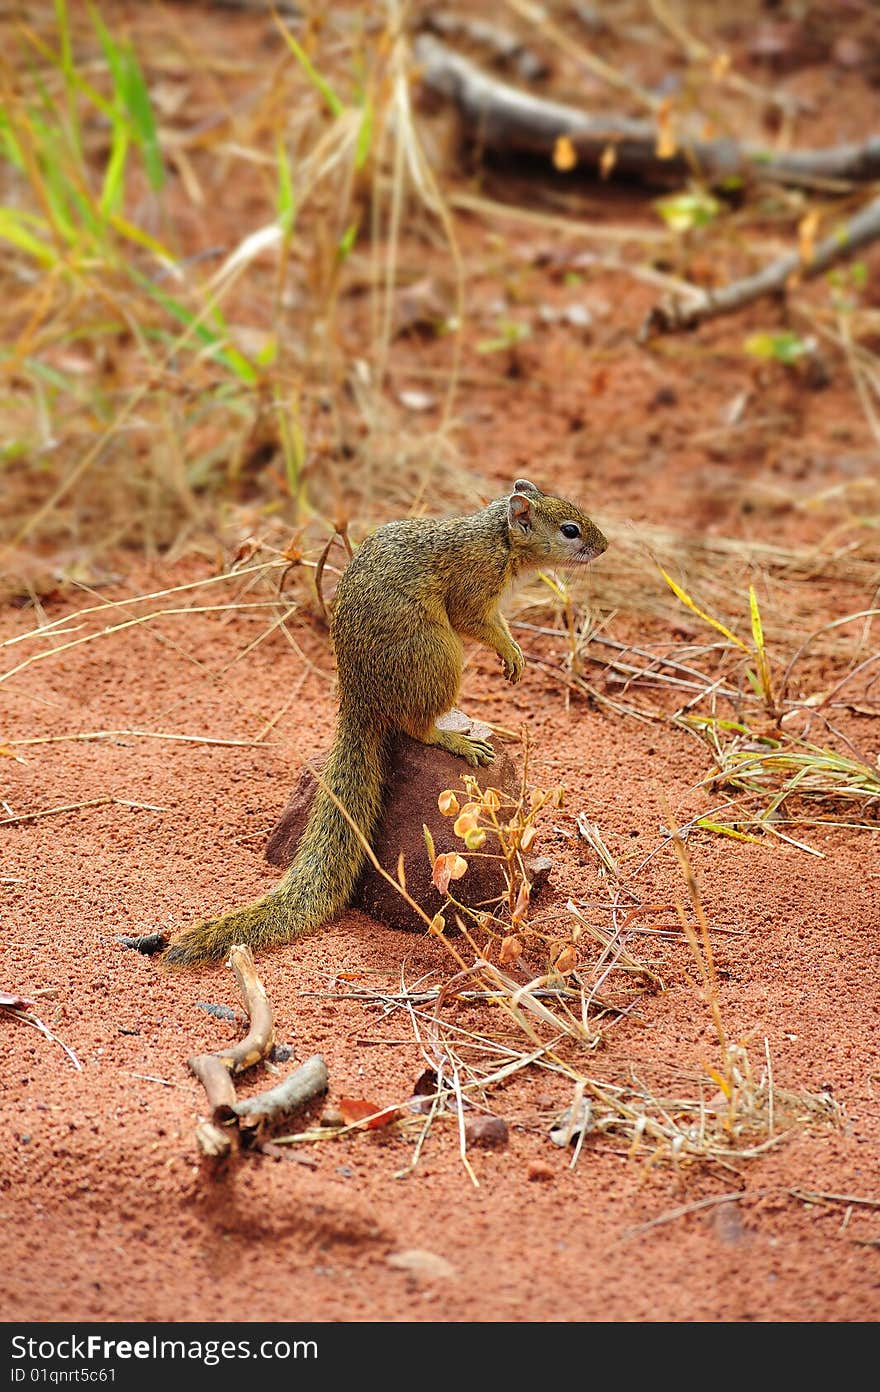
(114, 175)
(13, 230)
(684, 211)
(723, 830)
(511, 334)
(429, 842)
(785, 347)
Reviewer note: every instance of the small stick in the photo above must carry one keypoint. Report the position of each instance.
(673, 1214)
(261, 1035)
(673, 313)
(215, 1078)
(298, 1088)
(212, 1141)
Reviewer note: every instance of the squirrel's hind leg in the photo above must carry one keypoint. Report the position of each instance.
(434, 654)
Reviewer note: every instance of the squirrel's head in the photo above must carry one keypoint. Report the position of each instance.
(550, 531)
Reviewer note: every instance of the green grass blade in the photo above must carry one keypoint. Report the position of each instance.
(364, 141)
(113, 191)
(136, 97)
(12, 230)
(285, 197)
(318, 81)
(132, 100)
(230, 357)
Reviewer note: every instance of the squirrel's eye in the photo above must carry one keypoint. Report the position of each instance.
(570, 530)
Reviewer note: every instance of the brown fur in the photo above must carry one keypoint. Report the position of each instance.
(411, 593)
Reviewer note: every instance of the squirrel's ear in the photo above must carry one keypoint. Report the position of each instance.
(523, 486)
(519, 512)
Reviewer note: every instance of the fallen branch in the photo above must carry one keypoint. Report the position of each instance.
(503, 118)
(261, 1036)
(220, 1135)
(674, 313)
(297, 1089)
(215, 1078)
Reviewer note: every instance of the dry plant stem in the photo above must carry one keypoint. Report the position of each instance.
(298, 1088)
(735, 1196)
(705, 959)
(215, 1078)
(87, 735)
(261, 1035)
(503, 118)
(674, 314)
(30, 1019)
(58, 625)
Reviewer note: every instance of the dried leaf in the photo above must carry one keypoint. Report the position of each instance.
(450, 866)
(521, 907)
(448, 803)
(607, 161)
(244, 550)
(563, 958)
(574, 1121)
(475, 838)
(511, 949)
(355, 1110)
(564, 154)
(528, 837)
(465, 822)
(667, 146)
(807, 229)
(424, 1092)
(437, 926)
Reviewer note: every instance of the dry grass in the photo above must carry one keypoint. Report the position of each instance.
(171, 357)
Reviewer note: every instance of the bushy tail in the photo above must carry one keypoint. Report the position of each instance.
(329, 858)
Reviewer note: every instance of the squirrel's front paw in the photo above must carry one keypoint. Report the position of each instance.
(514, 662)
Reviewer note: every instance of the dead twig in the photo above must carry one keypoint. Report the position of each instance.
(503, 118)
(30, 1019)
(235, 1123)
(215, 1078)
(677, 312)
(297, 1089)
(260, 1038)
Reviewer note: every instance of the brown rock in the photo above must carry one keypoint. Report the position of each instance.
(419, 773)
(487, 1131)
(538, 1171)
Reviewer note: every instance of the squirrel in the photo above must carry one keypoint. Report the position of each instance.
(409, 595)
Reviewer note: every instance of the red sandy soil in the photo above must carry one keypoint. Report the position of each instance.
(108, 1214)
